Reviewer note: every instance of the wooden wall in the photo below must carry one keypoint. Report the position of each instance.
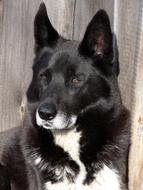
(70, 18)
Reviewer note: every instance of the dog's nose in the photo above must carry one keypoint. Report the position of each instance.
(47, 111)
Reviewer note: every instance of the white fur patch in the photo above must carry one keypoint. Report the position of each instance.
(105, 179)
(38, 160)
(61, 121)
(69, 141)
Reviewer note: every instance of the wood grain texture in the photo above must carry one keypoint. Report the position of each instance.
(126, 29)
(129, 30)
(1, 26)
(16, 58)
(61, 13)
(136, 152)
(85, 10)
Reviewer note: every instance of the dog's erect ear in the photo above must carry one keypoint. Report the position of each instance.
(97, 40)
(45, 34)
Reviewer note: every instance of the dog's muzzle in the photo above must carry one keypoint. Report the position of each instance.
(47, 111)
(48, 117)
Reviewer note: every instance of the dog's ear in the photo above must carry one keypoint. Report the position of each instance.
(97, 41)
(45, 34)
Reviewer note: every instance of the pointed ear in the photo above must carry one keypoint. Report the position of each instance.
(97, 40)
(45, 34)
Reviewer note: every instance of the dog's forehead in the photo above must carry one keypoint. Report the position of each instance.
(63, 57)
(66, 60)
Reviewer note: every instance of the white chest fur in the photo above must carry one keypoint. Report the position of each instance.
(105, 178)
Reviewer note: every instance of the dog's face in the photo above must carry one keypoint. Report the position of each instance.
(70, 77)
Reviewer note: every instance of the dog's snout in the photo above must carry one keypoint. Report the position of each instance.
(47, 111)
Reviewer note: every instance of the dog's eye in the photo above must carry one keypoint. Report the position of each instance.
(78, 80)
(43, 80)
(75, 81)
(43, 76)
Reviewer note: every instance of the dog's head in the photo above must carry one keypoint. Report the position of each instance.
(70, 77)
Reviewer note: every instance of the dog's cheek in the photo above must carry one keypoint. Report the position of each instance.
(82, 99)
(33, 92)
(91, 93)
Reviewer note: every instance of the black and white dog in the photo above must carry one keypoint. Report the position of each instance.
(77, 134)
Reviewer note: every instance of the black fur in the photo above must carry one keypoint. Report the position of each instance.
(95, 99)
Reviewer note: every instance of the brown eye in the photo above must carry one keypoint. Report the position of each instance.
(75, 81)
(78, 80)
(46, 75)
(43, 76)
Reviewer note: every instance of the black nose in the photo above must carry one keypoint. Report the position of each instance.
(47, 111)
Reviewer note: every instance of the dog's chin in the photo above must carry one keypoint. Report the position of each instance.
(61, 121)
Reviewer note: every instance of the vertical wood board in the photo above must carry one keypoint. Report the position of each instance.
(85, 10)
(61, 14)
(126, 29)
(129, 30)
(136, 151)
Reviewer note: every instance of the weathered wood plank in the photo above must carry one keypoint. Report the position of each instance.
(17, 51)
(15, 66)
(85, 10)
(1, 15)
(61, 13)
(129, 29)
(136, 152)
(126, 29)
(1, 24)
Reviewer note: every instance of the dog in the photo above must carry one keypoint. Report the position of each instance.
(76, 134)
